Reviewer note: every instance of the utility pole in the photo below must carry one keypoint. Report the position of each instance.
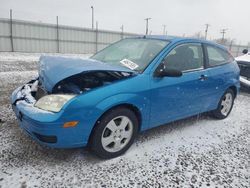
(223, 32)
(92, 9)
(231, 44)
(164, 30)
(199, 34)
(57, 35)
(122, 28)
(147, 19)
(11, 31)
(206, 30)
(96, 37)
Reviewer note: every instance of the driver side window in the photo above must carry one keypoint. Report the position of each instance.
(185, 57)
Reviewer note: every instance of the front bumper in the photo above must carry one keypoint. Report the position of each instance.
(45, 127)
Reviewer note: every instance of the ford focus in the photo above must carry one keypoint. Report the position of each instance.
(130, 86)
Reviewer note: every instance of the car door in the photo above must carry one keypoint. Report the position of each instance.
(221, 70)
(173, 98)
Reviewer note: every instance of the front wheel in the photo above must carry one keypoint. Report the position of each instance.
(114, 133)
(225, 105)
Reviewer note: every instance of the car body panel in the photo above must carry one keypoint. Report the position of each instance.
(66, 138)
(244, 64)
(177, 97)
(223, 77)
(158, 100)
(244, 58)
(66, 67)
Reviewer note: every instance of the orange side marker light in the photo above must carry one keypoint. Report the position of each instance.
(70, 124)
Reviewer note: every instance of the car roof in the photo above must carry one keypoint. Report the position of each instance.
(175, 39)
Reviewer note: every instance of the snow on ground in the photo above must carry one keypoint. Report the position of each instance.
(30, 57)
(195, 152)
(27, 61)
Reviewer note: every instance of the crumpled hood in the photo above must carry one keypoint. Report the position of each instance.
(53, 69)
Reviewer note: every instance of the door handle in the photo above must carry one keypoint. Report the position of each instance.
(203, 77)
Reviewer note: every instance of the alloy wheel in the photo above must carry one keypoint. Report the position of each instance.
(226, 104)
(117, 134)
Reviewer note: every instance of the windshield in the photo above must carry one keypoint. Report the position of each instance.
(136, 54)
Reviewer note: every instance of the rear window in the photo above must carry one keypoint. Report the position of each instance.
(217, 56)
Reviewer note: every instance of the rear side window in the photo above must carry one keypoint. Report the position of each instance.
(217, 56)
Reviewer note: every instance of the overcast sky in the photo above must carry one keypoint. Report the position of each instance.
(180, 16)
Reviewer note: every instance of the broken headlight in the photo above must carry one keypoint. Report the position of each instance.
(53, 103)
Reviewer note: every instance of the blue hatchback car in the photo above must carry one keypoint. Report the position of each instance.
(130, 86)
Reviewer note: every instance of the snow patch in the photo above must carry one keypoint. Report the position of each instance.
(31, 57)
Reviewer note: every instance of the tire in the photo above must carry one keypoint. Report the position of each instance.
(114, 133)
(225, 105)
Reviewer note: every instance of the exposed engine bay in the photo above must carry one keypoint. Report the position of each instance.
(86, 81)
(76, 84)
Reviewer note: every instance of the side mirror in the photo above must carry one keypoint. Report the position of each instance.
(162, 71)
(245, 51)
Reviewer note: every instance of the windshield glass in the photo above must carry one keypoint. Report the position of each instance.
(136, 54)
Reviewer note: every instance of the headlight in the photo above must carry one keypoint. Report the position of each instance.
(53, 103)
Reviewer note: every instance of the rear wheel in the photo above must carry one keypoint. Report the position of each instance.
(114, 133)
(225, 105)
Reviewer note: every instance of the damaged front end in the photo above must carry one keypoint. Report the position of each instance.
(26, 93)
(40, 105)
(35, 94)
(61, 79)
(42, 124)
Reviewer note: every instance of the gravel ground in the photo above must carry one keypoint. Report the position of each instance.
(195, 152)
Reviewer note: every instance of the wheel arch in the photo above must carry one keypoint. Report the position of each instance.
(129, 106)
(234, 90)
